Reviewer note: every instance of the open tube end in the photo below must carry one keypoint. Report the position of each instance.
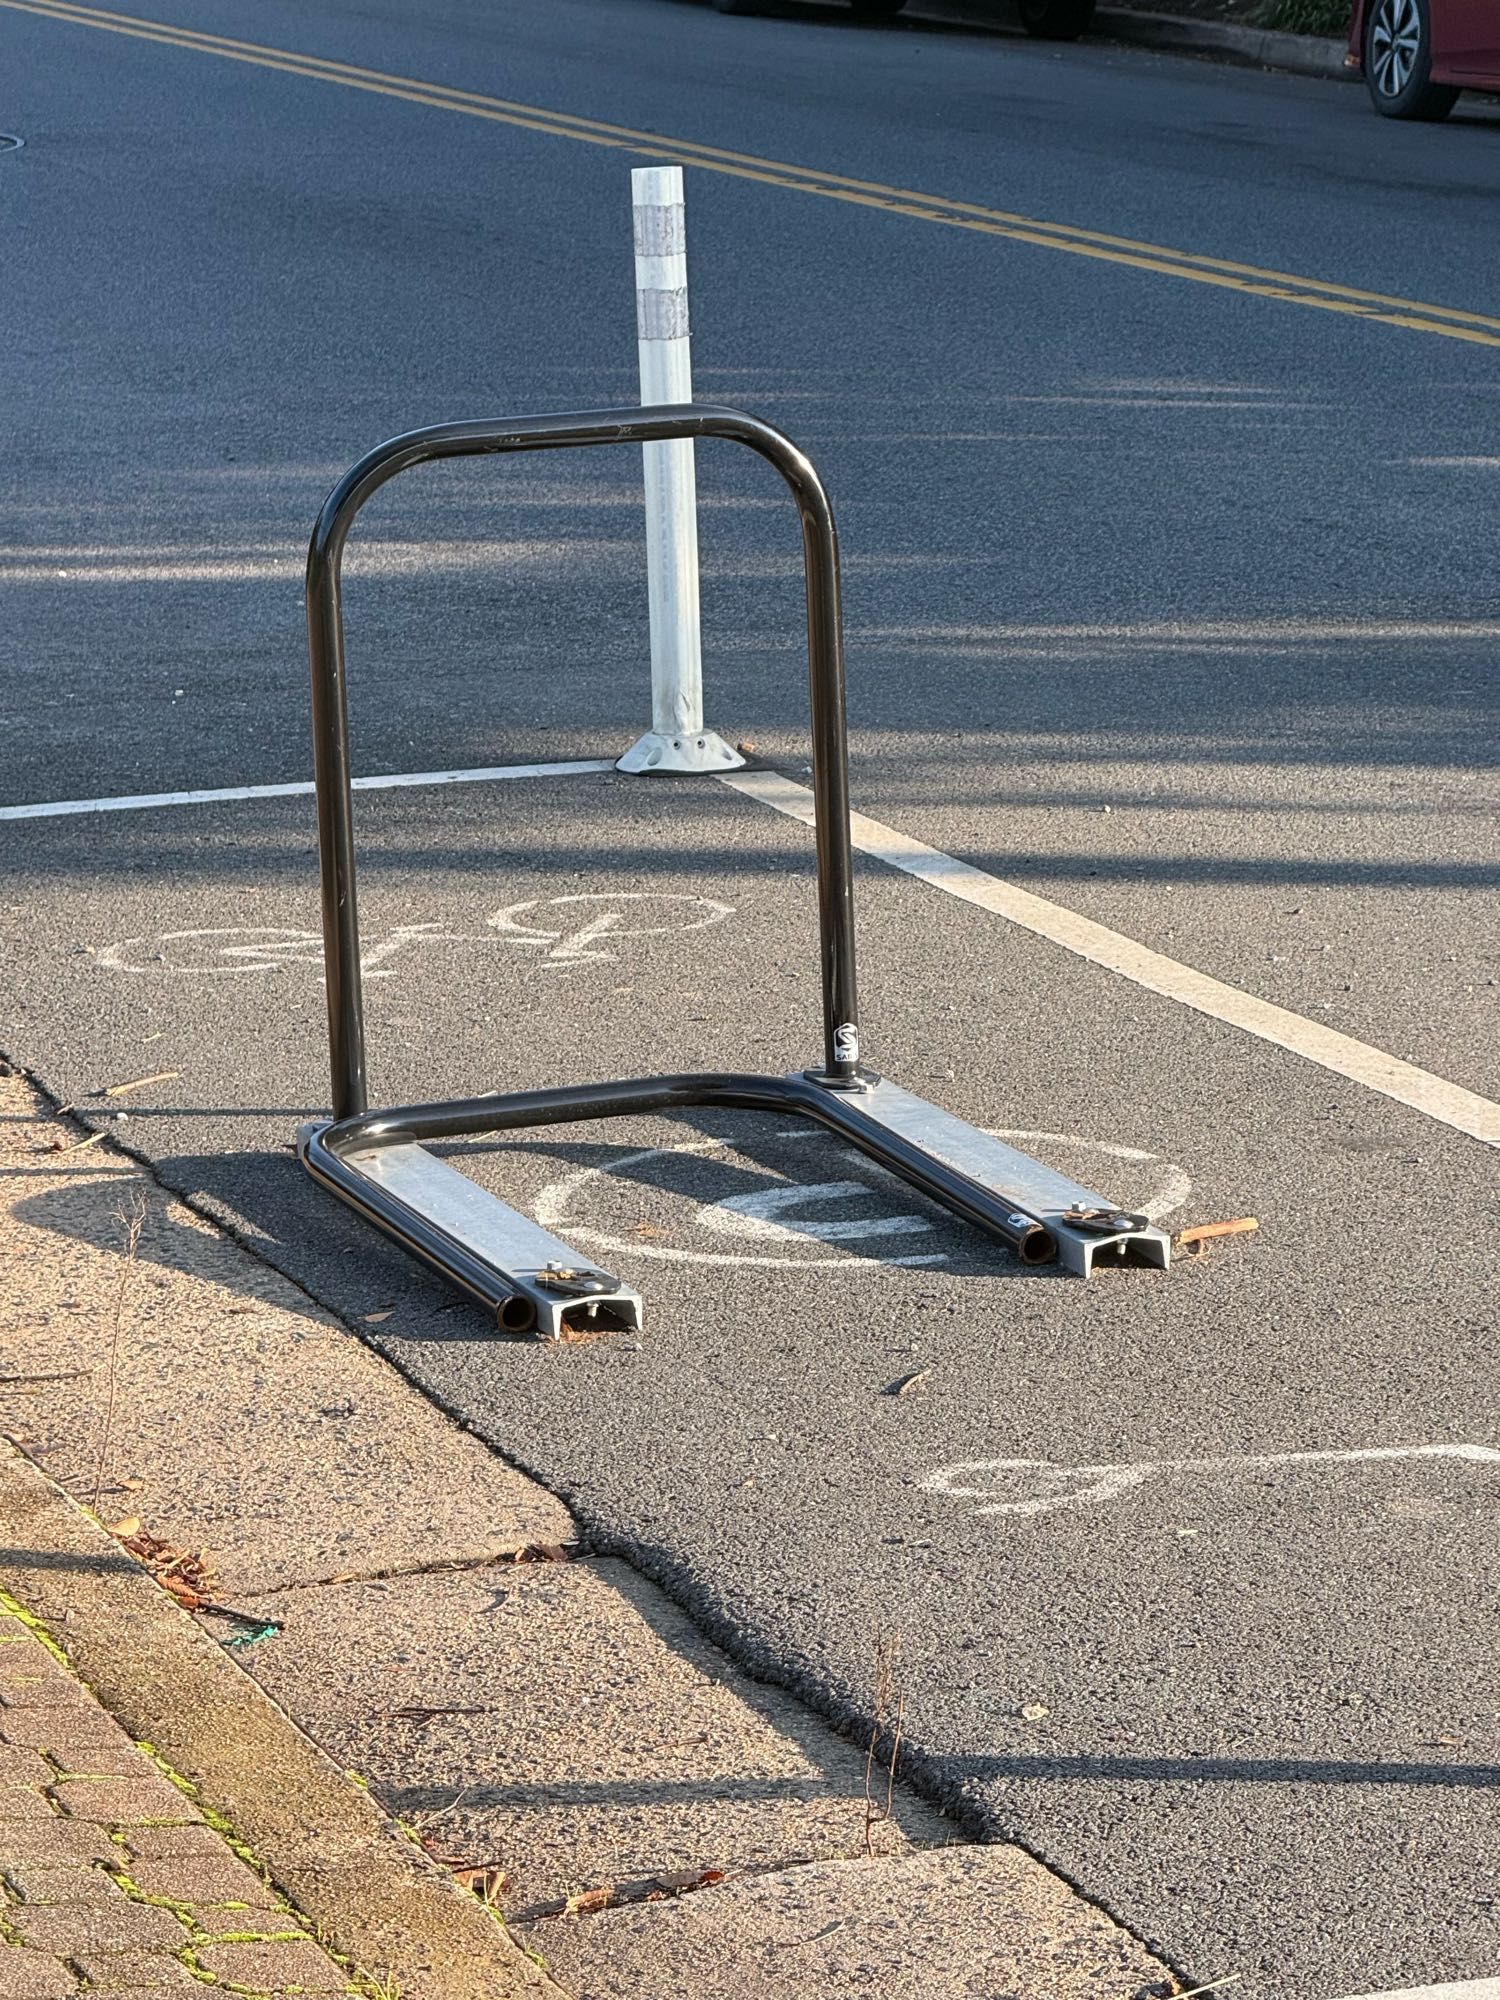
(517, 1314)
(1037, 1246)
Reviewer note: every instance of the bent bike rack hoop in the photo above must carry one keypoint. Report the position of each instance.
(377, 1162)
(825, 661)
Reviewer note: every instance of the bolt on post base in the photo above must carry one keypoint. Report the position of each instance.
(695, 750)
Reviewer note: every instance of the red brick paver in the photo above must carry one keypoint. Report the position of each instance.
(137, 1972)
(117, 1925)
(37, 1729)
(30, 1975)
(43, 1882)
(207, 1879)
(153, 1842)
(146, 1799)
(274, 1968)
(110, 1881)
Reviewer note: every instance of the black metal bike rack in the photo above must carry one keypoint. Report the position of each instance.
(377, 1161)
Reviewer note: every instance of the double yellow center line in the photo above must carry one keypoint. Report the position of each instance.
(1283, 286)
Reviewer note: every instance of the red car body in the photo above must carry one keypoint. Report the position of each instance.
(1460, 47)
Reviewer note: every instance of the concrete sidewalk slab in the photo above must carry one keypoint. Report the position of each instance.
(568, 1723)
(256, 1426)
(966, 1923)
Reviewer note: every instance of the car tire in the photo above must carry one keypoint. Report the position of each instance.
(1057, 20)
(1398, 61)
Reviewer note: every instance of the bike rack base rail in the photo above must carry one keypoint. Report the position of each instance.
(379, 1162)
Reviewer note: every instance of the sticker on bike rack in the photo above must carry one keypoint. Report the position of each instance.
(565, 930)
(1001, 1483)
(791, 1221)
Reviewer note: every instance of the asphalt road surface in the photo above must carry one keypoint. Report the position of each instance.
(1158, 404)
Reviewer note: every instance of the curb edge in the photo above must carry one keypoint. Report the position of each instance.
(370, 1892)
(1268, 48)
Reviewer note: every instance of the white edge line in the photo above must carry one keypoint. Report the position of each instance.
(142, 801)
(1373, 1068)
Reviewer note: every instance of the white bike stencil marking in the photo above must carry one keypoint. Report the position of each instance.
(687, 913)
(753, 1215)
(1057, 1486)
(769, 1220)
(581, 928)
(736, 1215)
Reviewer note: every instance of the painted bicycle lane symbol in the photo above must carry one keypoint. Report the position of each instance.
(812, 1220)
(563, 931)
(1025, 1487)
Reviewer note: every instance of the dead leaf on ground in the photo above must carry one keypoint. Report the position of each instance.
(484, 1879)
(907, 1385)
(183, 1572)
(680, 1880)
(586, 1901)
(374, 1319)
(648, 1889)
(584, 1336)
(139, 1083)
(543, 1552)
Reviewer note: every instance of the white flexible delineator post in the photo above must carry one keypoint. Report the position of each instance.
(677, 739)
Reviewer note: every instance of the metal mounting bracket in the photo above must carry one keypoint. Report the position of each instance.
(1083, 1224)
(527, 1278)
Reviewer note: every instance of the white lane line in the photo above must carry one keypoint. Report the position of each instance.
(1448, 1102)
(141, 801)
(1463, 1989)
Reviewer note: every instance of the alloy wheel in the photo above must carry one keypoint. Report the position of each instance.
(1395, 38)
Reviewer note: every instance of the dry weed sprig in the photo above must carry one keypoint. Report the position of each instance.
(888, 1723)
(132, 1220)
